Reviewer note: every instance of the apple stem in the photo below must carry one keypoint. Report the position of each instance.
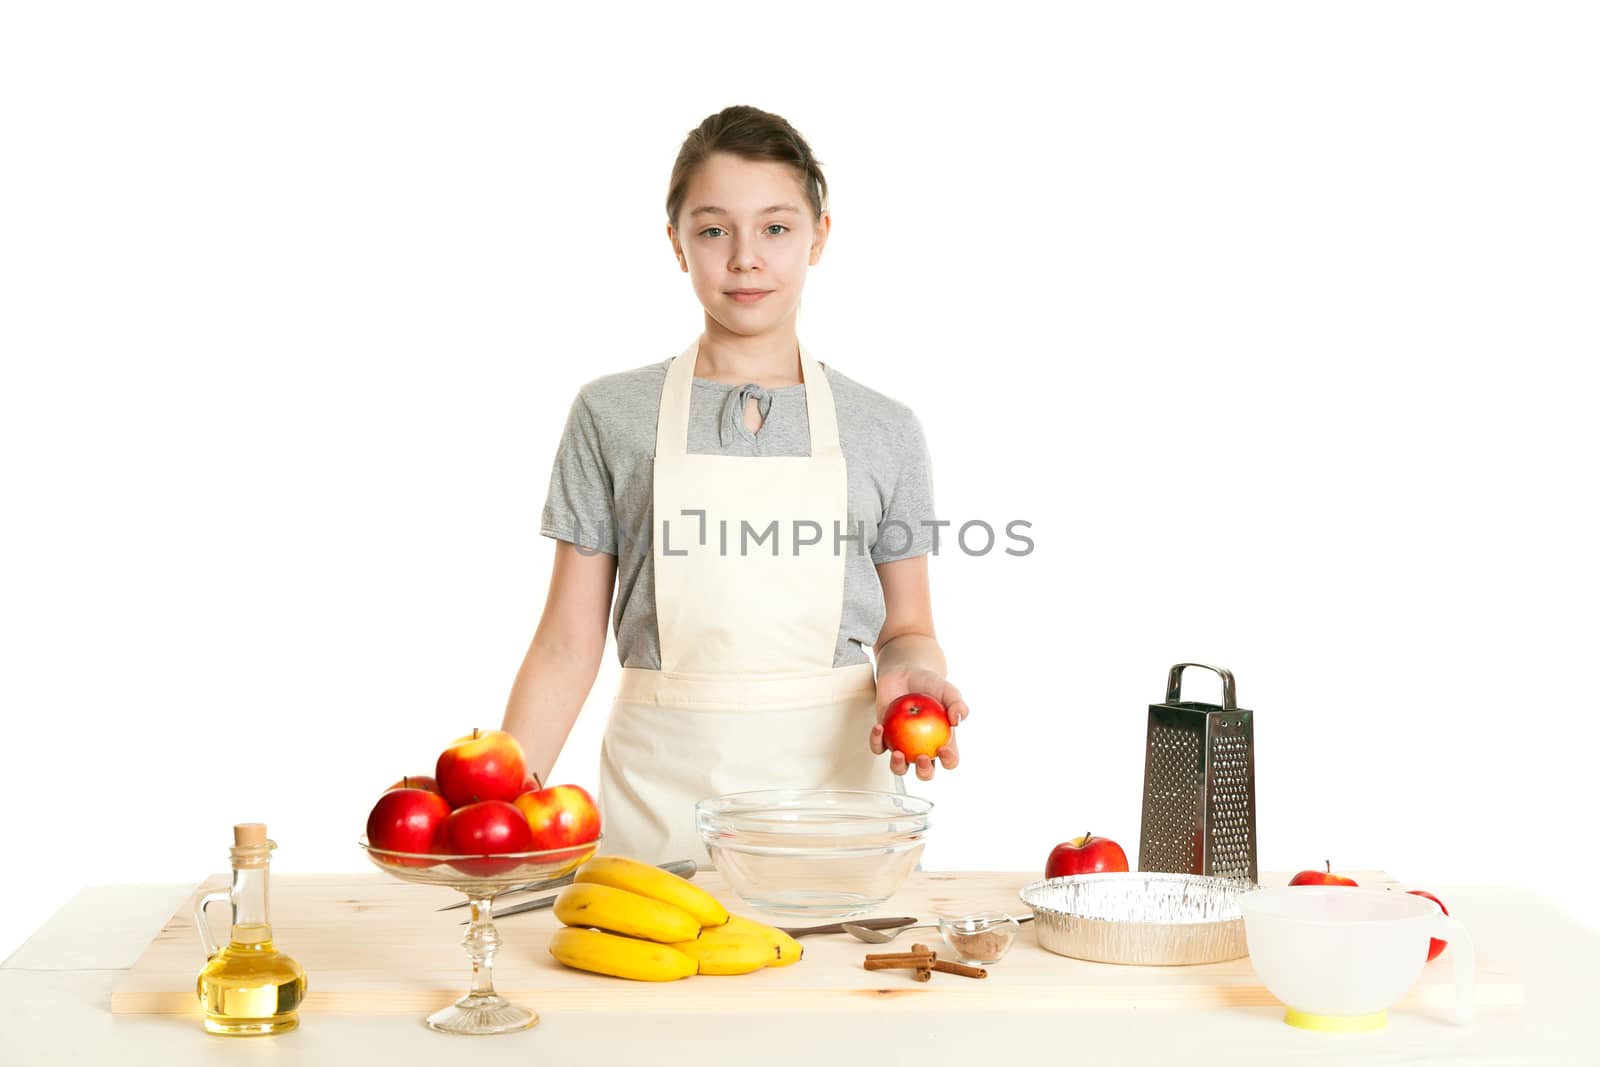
(474, 733)
(405, 782)
(1327, 866)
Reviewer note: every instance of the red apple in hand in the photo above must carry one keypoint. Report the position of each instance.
(1085, 855)
(418, 781)
(916, 725)
(484, 765)
(407, 820)
(1324, 877)
(1435, 945)
(486, 828)
(560, 816)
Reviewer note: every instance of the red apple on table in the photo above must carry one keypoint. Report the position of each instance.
(407, 820)
(417, 781)
(916, 724)
(484, 765)
(486, 828)
(559, 816)
(1435, 945)
(1323, 877)
(1085, 855)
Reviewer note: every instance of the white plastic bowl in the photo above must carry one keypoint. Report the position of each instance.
(1339, 956)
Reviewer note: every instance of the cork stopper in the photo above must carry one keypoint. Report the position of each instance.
(251, 849)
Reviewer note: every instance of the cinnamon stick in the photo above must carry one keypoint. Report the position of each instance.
(900, 955)
(951, 967)
(922, 961)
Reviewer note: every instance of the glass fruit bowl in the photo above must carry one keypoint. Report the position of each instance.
(481, 879)
(814, 853)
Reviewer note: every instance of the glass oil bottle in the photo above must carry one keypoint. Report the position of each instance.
(248, 987)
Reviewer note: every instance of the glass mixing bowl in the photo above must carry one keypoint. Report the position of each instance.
(814, 853)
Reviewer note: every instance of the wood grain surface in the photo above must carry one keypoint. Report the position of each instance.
(371, 944)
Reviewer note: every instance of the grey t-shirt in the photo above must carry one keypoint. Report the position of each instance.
(601, 486)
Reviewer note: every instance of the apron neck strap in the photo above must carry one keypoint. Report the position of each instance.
(672, 421)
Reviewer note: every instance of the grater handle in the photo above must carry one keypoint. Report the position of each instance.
(1230, 700)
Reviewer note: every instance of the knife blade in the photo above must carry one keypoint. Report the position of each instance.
(681, 868)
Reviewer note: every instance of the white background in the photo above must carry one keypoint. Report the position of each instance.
(1276, 321)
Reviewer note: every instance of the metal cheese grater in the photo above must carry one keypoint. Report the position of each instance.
(1199, 785)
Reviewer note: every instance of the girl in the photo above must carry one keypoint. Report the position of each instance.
(762, 517)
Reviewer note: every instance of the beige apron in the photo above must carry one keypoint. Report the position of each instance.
(747, 696)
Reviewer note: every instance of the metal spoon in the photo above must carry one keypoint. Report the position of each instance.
(883, 937)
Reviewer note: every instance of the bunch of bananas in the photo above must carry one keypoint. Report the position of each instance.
(629, 919)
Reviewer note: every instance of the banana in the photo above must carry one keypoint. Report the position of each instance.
(621, 957)
(788, 949)
(620, 872)
(720, 952)
(622, 912)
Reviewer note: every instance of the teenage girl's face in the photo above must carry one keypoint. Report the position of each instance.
(746, 225)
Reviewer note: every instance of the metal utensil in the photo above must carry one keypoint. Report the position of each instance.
(861, 932)
(838, 928)
(681, 868)
(882, 937)
(1199, 785)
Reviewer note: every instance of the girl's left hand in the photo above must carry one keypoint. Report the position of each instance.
(896, 683)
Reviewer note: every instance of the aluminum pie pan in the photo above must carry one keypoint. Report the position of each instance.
(1140, 917)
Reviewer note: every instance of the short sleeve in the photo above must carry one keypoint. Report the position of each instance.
(578, 507)
(906, 528)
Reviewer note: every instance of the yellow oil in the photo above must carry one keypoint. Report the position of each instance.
(250, 987)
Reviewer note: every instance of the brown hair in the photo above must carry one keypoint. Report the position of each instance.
(750, 133)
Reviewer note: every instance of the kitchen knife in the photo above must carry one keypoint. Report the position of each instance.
(838, 928)
(681, 868)
(870, 924)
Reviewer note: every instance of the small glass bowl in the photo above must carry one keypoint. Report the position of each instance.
(982, 937)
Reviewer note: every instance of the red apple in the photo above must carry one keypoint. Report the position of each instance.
(1324, 877)
(917, 725)
(418, 781)
(407, 820)
(486, 828)
(560, 816)
(484, 765)
(1435, 945)
(1085, 855)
